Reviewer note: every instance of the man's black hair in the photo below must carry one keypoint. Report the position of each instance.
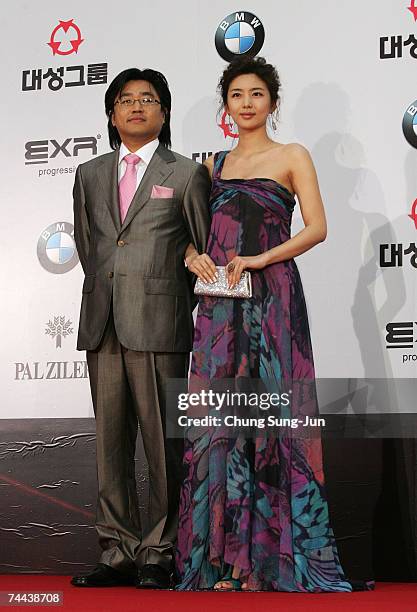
(160, 84)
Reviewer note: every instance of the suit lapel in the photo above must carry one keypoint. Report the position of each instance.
(108, 179)
(159, 169)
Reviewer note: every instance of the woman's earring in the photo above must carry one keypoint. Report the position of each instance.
(231, 124)
(273, 122)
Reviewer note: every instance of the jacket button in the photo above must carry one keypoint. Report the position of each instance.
(120, 242)
(110, 275)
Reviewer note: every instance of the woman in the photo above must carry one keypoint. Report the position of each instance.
(253, 512)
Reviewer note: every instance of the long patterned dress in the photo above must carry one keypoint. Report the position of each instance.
(257, 503)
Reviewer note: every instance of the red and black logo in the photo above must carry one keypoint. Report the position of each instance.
(413, 9)
(65, 38)
(413, 214)
(227, 126)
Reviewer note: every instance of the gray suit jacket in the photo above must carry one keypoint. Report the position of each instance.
(139, 264)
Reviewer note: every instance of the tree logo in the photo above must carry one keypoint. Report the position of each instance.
(58, 328)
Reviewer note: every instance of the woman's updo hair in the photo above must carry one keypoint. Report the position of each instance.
(251, 65)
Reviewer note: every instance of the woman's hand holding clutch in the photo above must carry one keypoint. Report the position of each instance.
(238, 264)
(202, 266)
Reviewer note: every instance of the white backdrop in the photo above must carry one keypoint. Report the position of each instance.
(339, 98)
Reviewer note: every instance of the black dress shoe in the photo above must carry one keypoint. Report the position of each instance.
(103, 576)
(153, 576)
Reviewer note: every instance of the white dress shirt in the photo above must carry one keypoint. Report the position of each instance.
(145, 153)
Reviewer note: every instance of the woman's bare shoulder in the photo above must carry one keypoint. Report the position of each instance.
(209, 163)
(289, 148)
(295, 150)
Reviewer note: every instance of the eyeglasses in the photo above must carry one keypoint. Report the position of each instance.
(129, 102)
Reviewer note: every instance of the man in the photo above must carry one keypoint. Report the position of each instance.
(137, 211)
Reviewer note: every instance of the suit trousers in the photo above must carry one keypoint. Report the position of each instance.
(128, 389)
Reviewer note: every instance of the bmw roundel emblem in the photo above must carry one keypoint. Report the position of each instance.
(56, 248)
(239, 34)
(410, 124)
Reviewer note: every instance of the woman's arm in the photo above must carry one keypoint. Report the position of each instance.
(201, 265)
(303, 178)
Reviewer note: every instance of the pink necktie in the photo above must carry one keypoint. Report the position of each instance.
(127, 185)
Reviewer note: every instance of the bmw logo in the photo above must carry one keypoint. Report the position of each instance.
(239, 34)
(410, 124)
(56, 248)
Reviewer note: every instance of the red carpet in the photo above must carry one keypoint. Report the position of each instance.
(387, 597)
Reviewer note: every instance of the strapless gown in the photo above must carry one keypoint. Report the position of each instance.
(259, 503)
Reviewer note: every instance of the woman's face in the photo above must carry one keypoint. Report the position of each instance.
(249, 102)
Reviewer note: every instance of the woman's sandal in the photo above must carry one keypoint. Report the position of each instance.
(236, 584)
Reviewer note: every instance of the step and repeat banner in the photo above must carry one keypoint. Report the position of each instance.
(349, 95)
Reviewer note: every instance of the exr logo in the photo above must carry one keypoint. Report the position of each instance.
(41, 151)
(403, 335)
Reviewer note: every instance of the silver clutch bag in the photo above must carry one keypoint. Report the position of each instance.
(220, 288)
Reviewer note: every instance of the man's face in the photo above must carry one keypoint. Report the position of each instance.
(137, 121)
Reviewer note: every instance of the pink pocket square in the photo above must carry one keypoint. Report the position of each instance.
(161, 192)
